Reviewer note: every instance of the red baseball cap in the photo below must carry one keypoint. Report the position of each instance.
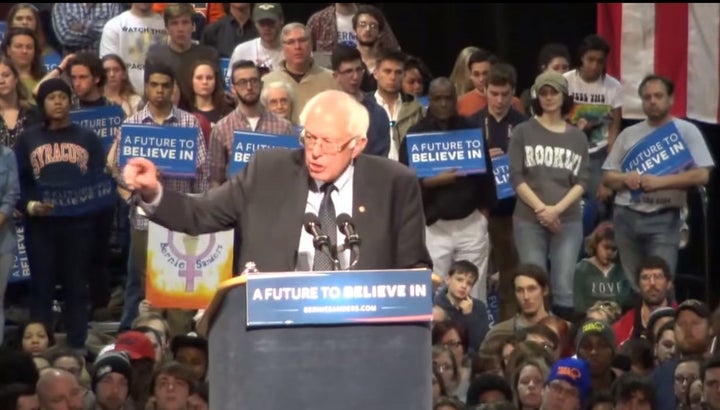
(136, 344)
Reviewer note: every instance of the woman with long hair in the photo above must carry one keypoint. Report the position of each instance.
(549, 172)
(26, 15)
(16, 111)
(205, 95)
(118, 88)
(21, 47)
(460, 75)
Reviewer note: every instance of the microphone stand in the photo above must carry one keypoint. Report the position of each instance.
(322, 244)
(352, 244)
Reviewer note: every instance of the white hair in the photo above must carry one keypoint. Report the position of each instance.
(358, 118)
(275, 85)
(292, 26)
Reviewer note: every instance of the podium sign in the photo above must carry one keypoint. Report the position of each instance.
(326, 298)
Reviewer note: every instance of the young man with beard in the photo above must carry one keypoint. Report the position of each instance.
(369, 23)
(710, 377)
(250, 115)
(655, 282)
(693, 337)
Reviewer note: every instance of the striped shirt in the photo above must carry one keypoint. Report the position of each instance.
(221, 138)
(79, 26)
(177, 118)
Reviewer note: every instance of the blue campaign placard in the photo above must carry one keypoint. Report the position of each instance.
(501, 170)
(224, 67)
(245, 144)
(662, 152)
(3, 29)
(313, 298)
(21, 267)
(173, 150)
(51, 60)
(104, 121)
(423, 101)
(432, 153)
(85, 195)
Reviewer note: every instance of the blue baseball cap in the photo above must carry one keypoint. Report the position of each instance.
(574, 371)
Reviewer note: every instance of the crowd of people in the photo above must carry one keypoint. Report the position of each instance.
(580, 259)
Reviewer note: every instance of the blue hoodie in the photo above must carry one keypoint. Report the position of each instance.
(477, 322)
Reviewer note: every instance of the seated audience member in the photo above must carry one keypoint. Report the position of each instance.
(562, 331)
(22, 364)
(192, 351)
(111, 381)
(527, 383)
(456, 300)
(523, 352)
(36, 338)
(486, 363)
(600, 401)
(598, 277)
(140, 350)
(543, 336)
(631, 391)
(596, 345)
(448, 403)
(605, 310)
(488, 388)
(172, 385)
(200, 400)
(438, 386)
(279, 98)
(686, 372)
(568, 385)
(640, 354)
(445, 364)
(665, 343)
(658, 319)
(58, 389)
(17, 396)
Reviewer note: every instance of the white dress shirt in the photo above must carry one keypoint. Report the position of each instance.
(342, 199)
(392, 114)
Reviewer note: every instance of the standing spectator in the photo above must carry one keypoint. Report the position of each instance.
(53, 258)
(552, 56)
(235, 28)
(118, 88)
(79, 26)
(549, 172)
(130, 35)
(21, 47)
(26, 15)
(266, 50)
(333, 25)
(17, 112)
(369, 23)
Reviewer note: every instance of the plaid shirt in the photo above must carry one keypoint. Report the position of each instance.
(323, 31)
(79, 26)
(177, 118)
(221, 138)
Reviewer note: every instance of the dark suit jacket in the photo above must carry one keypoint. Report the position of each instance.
(267, 201)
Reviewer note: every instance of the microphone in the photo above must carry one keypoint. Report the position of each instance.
(321, 242)
(352, 239)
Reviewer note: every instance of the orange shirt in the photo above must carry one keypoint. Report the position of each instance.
(212, 11)
(472, 102)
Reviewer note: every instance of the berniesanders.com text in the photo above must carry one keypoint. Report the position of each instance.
(340, 309)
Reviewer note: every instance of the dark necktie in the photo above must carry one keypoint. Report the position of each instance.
(326, 215)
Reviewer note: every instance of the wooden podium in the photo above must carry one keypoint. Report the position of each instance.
(359, 366)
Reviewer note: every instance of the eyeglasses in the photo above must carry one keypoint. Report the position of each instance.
(365, 24)
(350, 71)
(452, 344)
(557, 388)
(442, 367)
(682, 379)
(244, 82)
(294, 41)
(308, 141)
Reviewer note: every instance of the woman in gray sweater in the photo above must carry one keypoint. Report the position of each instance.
(549, 172)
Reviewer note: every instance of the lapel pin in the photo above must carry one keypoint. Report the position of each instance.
(361, 208)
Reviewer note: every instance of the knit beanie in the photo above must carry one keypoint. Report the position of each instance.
(49, 86)
(111, 362)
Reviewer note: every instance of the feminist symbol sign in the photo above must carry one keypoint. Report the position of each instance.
(188, 269)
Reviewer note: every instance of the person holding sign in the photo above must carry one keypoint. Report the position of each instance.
(250, 115)
(455, 204)
(267, 200)
(9, 195)
(651, 165)
(159, 111)
(549, 173)
(58, 164)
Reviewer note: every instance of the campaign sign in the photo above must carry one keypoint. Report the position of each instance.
(173, 150)
(324, 298)
(432, 153)
(104, 121)
(224, 68)
(3, 29)
(423, 101)
(51, 60)
(662, 152)
(21, 267)
(501, 169)
(246, 143)
(83, 196)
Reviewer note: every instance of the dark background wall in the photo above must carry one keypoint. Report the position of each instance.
(436, 32)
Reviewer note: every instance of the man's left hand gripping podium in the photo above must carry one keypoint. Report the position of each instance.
(321, 340)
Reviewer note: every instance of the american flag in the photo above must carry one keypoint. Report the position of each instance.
(678, 40)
